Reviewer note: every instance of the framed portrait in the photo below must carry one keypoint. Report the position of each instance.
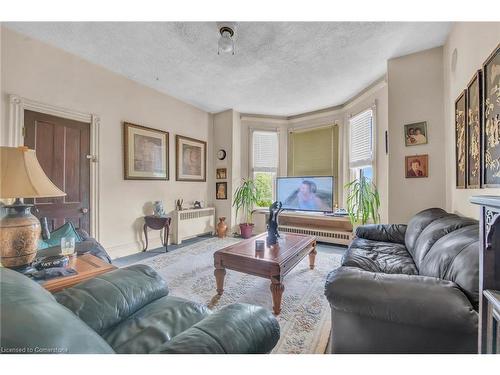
(416, 134)
(491, 120)
(417, 166)
(191, 159)
(221, 190)
(474, 115)
(461, 141)
(145, 153)
(221, 174)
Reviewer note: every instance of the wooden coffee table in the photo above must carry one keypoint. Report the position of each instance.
(87, 266)
(272, 263)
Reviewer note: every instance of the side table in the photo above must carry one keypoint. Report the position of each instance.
(87, 266)
(157, 223)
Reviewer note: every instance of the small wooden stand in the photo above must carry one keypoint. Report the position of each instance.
(87, 266)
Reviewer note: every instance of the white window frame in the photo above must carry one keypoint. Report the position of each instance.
(354, 172)
(251, 168)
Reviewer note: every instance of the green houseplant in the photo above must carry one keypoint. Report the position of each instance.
(245, 198)
(363, 201)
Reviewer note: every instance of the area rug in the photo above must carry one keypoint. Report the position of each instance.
(305, 315)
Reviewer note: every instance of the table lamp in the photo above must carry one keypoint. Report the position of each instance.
(21, 176)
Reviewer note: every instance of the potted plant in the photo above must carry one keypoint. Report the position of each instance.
(245, 198)
(363, 201)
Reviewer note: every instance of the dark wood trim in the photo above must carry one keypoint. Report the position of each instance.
(464, 95)
(126, 176)
(477, 76)
(178, 138)
(483, 126)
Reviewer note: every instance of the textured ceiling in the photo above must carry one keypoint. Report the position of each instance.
(280, 68)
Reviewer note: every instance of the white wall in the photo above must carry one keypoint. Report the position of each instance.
(37, 71)
(473, 41)
(415, 93)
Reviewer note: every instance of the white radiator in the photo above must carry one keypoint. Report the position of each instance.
(324, 235)
(191, 223)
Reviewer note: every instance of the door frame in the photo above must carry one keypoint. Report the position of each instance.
(15, 137)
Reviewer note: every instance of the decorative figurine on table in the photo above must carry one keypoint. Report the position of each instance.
(178, 204)
(272, 224)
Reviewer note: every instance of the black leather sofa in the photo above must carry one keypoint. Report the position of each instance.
(408, 288)
(127, 310)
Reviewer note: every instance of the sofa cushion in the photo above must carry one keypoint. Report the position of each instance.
(375, 256)
(112, 297)
(154, 325)
(455, 257)
(32, 320)
(66, 230)
(418, 223)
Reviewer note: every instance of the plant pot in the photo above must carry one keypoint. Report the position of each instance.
(246, 230)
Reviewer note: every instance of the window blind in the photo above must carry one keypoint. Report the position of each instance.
(361, 139)
(313, 152)
(265, 151)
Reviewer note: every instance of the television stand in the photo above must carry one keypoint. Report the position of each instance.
(332, 229)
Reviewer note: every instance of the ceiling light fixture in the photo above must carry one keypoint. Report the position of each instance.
(226, 42)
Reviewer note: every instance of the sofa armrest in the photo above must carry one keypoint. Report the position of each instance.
(382, 232)
(234, 329)
(401, 299)
(107, 299)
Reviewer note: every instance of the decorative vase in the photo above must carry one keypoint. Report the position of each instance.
(221, 228)
(246, 230)
(158, 208)
(19, 234)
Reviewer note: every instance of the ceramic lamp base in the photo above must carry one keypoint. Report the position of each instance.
(19, 234)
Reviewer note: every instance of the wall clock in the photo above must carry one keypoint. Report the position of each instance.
(221, 154)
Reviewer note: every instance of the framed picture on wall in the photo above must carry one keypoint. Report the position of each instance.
(145, 153)
(416, 134)
(461, 141)
(191, 159)
(473, 103)
(417, 166)
(221, 174)
(491, 120)
(221, 190)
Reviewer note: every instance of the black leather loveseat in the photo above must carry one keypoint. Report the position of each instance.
(408, 289)
(127, 310)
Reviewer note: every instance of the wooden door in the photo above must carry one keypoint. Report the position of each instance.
(62, 147)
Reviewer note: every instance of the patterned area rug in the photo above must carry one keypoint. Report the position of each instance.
(305, 315)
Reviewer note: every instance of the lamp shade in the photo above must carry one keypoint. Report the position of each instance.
(21, 175)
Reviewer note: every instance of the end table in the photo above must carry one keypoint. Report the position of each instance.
(161, 223)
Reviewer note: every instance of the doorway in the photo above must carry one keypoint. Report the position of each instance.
(63, 149)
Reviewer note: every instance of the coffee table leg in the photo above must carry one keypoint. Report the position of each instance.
(277, 289)
(219, 279)
(312, 256)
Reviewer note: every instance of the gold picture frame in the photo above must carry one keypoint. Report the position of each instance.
(190, 159)
(417, 166)
(145, 153)
(221, 173)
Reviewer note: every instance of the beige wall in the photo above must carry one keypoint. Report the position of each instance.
(37, 71)
(227, 136)
(415, 84)
(473, 41)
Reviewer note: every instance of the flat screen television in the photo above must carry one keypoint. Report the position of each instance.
(305, 193)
